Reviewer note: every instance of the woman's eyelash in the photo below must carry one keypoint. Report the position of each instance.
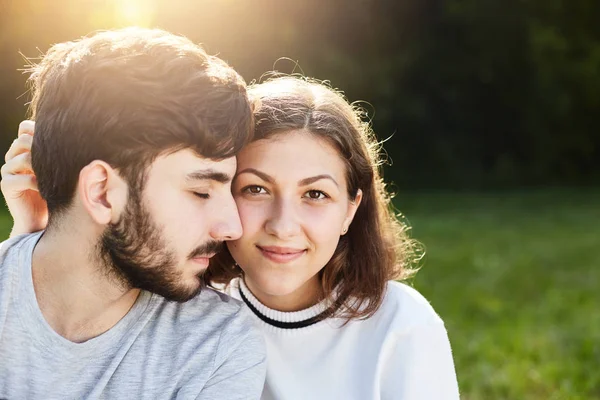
(319, 192)
(248, 188)
(258, 190)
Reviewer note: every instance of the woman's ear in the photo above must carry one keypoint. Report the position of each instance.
(351, 212)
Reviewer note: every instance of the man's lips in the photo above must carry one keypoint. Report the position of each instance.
(203, 260)
(281, 255)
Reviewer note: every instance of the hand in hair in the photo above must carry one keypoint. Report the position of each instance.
(19, 185)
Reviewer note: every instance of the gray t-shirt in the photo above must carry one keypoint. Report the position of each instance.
(206, 348)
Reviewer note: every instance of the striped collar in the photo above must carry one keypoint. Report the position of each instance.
(279, 319)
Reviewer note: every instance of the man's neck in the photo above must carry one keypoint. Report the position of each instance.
(77, 299)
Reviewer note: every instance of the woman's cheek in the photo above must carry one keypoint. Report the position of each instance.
(322, 223)
(252, 215)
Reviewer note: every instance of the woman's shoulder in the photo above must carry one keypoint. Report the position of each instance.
(404, 307)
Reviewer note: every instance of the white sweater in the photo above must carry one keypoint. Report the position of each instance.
(401, 352)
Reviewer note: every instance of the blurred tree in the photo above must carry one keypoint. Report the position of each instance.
(474, 93)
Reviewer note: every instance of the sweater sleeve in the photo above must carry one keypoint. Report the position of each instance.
(419, 365)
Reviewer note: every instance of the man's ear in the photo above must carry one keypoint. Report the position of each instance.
(103, 193)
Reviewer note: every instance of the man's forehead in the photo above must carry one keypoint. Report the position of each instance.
(193, 166)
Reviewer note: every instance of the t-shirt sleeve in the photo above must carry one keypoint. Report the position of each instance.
(240, 365)
(419, 365)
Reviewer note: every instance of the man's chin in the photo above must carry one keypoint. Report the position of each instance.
(179, 294)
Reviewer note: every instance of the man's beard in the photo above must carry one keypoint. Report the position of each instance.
(133, 252)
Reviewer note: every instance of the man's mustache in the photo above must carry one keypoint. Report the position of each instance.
(208, 248)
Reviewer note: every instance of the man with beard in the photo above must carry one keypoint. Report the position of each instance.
(134, 153)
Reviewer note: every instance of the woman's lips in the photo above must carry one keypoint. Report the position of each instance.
(281, 255)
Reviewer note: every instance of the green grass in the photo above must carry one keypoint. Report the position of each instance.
(516, 277)
(5, 220)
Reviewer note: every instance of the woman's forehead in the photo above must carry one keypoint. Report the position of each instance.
(295, 154)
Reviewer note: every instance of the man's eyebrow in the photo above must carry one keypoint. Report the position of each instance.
(208, 175)
(261, 175)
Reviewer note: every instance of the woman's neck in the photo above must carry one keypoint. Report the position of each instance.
(302, 298)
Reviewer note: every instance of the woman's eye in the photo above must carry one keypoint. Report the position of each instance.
(316, 195)
(254, 189)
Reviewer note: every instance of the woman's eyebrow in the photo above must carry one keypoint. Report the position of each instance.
(306, 181)
(313, 179)
(260, 174)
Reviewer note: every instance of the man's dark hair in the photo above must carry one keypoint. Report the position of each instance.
(126, 97)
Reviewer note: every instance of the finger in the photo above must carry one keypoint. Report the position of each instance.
(26, 128)
(20, 145)
(18, 165)
(13, 186)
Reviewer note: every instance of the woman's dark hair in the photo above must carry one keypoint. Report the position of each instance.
(377, 247)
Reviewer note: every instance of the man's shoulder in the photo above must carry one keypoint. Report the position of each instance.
(208, 303)
(212, 322)
(210, 311)
(11, 246)
(214, 332)
(15, 242)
